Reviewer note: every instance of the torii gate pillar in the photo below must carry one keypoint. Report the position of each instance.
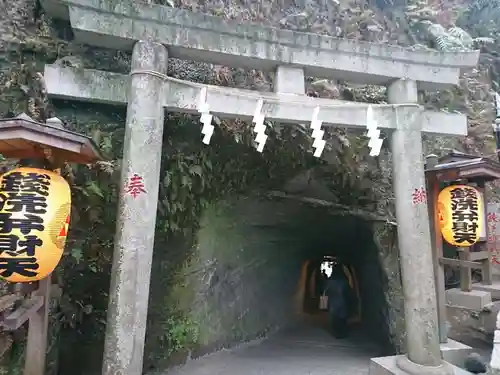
(423, 347)
(136, 220)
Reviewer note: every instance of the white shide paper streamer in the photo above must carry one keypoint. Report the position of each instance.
(373, 133)
(206, 117)
(317, 134)
(260, 128)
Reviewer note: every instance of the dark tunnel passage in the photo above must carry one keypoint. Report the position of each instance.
(351, 246)
(251, 275)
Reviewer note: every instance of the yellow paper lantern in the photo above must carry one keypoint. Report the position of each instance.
(35, 207)
(460, 213)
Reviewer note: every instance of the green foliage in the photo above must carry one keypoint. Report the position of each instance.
(195, 175)
(454, 38)
(15, 361)
(180, 334)
(482, 18)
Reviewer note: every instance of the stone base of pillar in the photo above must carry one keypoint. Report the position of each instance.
(473, 300)
(494, 288)
(400, 365)
(455, 352)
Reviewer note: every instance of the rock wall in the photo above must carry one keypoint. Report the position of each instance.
(251, 272)
(374, 275)
(386, 242)
(236, 283)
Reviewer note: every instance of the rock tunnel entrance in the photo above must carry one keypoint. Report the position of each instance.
(249, 274)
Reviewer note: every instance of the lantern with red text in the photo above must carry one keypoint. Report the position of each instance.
(460, 214)
(35, 207)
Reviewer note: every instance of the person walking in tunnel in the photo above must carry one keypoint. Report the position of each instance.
(337, 290)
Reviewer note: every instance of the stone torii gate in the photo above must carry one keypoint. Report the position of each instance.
(155, 33)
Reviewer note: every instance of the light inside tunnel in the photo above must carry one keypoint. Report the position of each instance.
(327, 265)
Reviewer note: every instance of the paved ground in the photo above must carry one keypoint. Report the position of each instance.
(307, 349)
(304, 350)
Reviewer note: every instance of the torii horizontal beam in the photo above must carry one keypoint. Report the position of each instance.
(201, 37)
(182, 96)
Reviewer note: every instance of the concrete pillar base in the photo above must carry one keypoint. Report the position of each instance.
(413, 368)
(494, 289)
(474, 300)
(455, 352)
(400, 365)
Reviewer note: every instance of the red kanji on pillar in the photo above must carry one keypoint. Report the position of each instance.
(494, 260)
(419, 196)
(135, 186)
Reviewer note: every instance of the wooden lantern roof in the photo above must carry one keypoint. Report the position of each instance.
(22, 137)
(457, 166)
